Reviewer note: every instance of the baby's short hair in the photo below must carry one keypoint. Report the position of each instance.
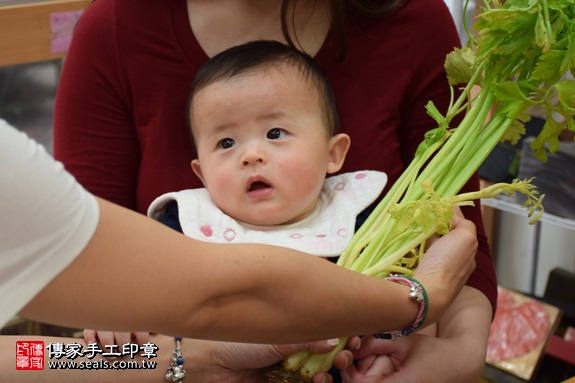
(264, 54)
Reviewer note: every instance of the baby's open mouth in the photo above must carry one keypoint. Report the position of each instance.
(258, 185)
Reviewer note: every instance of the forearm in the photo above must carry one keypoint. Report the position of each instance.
(466, 323)
(195, 288)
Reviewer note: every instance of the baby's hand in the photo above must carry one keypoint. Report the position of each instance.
(373, 364)
(376, 365)
(104, 338)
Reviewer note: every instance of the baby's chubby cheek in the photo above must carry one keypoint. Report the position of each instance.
(301, 175)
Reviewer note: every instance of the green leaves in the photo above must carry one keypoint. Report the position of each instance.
(431, 213)
(527, 46)
(515, 131)
(506, 31)
(509, 91)
(566, 93)
(512, 100)
(433, 135)
(551, 65)
(460, 66)
(564, 105)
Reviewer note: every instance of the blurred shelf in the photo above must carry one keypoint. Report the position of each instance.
(510, 206)
(26, 34)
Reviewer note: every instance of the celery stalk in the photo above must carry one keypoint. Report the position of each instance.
(523, 49)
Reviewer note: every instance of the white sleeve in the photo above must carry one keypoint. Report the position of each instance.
(46, 219)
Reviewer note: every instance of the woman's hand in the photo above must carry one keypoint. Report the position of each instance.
(447, 265)
(456, 355)
(223, 362)
(416, 358)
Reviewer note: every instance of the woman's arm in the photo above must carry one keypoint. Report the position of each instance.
(466, 326)
(135, 274)
(85, 262)
(456, 355)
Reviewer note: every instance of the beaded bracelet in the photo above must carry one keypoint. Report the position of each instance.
(418, 294)
(176, 372)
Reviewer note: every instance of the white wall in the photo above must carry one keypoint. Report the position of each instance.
(456, 8)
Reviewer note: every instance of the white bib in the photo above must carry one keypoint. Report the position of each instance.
(325, 232)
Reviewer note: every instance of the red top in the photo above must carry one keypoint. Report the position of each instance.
(120, 119)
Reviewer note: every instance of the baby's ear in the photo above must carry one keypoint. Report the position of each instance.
(338, 147)
(195, 164)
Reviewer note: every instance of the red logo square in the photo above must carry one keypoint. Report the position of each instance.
(29, 355)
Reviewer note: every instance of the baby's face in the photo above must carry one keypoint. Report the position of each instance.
(263, 147)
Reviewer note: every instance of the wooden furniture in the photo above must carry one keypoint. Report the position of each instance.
(26, 34)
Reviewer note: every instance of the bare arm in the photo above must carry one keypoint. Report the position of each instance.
(455, 355)
(466, 325)
(147, 277)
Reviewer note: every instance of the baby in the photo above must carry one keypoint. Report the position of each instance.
(265, 128)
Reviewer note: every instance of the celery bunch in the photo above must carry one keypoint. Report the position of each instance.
(523, 49)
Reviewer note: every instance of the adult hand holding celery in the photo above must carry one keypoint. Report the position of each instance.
(523, 49)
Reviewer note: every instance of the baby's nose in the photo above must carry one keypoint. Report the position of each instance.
(253, 155)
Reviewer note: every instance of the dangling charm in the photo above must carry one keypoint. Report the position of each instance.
(176, 372)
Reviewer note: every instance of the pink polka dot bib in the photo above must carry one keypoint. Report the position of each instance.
(325, 232)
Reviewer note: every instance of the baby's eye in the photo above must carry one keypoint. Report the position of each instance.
(226, 143)
(276, 133)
